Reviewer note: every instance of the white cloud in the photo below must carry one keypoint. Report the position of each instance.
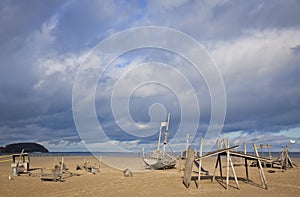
(257, 53)
(276, 140)
(255, 50)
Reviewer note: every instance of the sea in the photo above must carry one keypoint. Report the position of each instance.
(138, 154)
(134, 154)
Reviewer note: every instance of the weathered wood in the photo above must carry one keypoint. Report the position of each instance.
(260, 169)
(200, 161)
(180, 164)
(233, 172)
(249, 157)
(20, 158)
(62, 165)
(188, 167)
(220, 166)
(225, 143)
(209, 154)
(54, 175)
(227, 164)
(247, 173)
(215, 169)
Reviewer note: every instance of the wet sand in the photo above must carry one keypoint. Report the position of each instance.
(111, 182)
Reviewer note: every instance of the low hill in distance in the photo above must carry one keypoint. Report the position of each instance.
(28, 147)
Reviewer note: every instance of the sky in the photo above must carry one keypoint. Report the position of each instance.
(45, 46)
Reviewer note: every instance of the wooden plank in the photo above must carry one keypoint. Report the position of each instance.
(249, 157)
(188, 167)
(209, 154)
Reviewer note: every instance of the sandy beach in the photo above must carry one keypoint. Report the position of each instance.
(111, 182)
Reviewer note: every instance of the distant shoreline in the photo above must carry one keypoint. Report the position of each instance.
(129, 154)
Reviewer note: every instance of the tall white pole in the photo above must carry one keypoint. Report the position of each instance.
(187, 142)
(200, 161)
(166, 133)
(159, 137)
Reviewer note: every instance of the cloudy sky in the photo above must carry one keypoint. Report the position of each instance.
(44, 44)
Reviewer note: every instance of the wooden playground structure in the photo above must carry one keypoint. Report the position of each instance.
(20, 163)
(283, 162)
(55, 174)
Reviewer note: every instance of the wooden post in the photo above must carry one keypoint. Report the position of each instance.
(260, 169)
(269, 146)
(218, 162)
(227, 164)
(219, 144)
(224, 142)
(159, 138)
(179, 160)
(216, 166)
(262, 150)
(62, 165)
(188, 167)
(200, 161)
(246, 166)
(220, 166)
(187, 141)
(234, 174)
(246, 162)
(281, 156)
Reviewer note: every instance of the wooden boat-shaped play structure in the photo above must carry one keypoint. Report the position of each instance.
(160, 159)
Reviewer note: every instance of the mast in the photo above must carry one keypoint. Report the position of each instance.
(187, 142)
(159, 137)
(166, 133)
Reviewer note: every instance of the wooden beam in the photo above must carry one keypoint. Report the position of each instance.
(20, 158)
(188, 167)
(249, 157)
(209, 154)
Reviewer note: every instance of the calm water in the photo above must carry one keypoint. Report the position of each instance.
(117, 154)
(135, 154)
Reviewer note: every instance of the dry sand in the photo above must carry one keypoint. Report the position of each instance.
(111, 182)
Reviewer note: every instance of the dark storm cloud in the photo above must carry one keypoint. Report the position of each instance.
(20, 18)
(43, 43)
